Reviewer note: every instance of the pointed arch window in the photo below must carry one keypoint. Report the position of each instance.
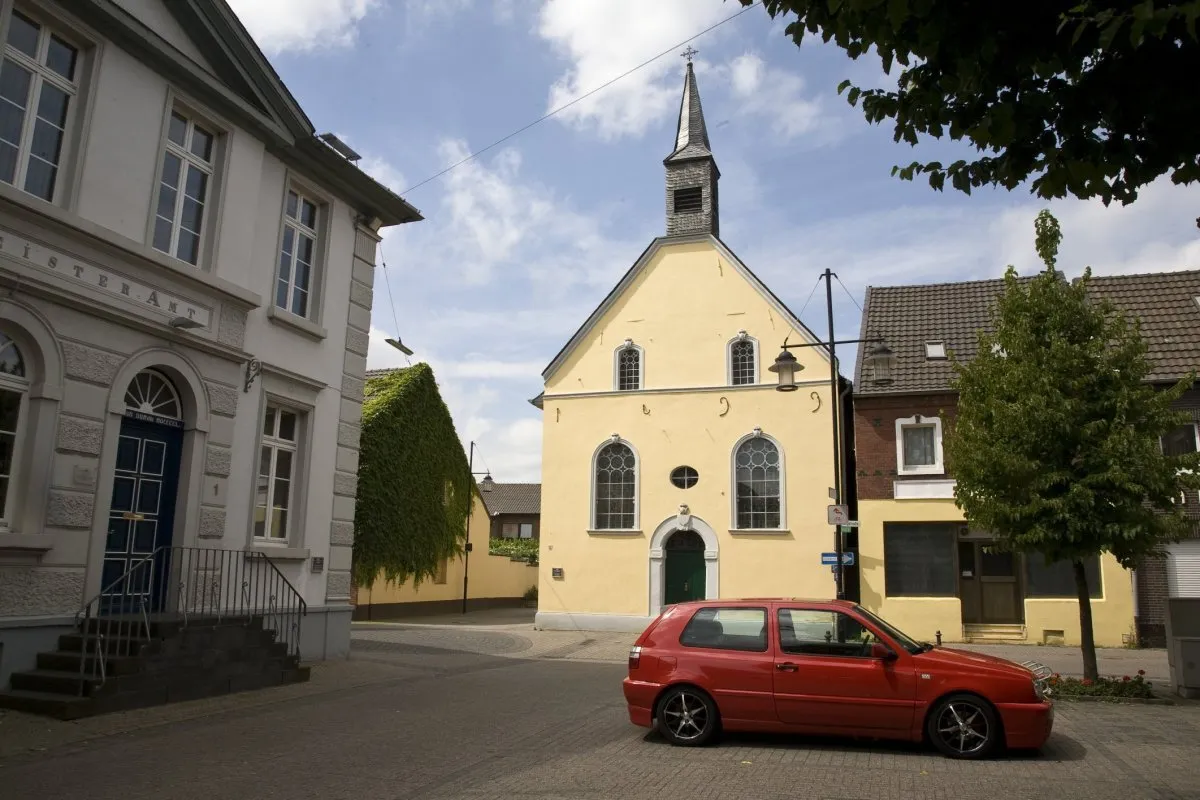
(14, 399)
(758, 483)
(615, 487)
(629, 367)
(743, 360)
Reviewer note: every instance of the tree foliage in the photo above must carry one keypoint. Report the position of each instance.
(414, 482)
(1087, 96)
(1055, 442)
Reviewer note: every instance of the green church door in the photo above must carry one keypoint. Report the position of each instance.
(684, 568)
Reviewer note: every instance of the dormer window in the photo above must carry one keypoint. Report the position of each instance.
(935, 351)
(628, 367)
(743, 360)
(689, 200)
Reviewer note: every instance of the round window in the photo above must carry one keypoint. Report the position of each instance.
(684, 477)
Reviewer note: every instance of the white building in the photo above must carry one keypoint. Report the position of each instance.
(186, 277)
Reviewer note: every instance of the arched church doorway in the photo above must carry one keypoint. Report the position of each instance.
(684, 568)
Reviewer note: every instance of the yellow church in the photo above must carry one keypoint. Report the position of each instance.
(672, 468)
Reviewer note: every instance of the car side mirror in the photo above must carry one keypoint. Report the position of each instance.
(882, 652)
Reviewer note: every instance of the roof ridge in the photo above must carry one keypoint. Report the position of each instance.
(1168, 273)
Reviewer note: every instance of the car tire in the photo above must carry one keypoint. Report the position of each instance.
(687, 717)
(964, 726)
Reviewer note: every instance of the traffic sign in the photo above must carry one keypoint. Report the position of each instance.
(830, 559)
(849, 527)
(838, 515)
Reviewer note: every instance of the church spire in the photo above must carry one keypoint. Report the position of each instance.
(692, 172)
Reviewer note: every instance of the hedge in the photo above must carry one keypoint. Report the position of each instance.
(414, 482)
(523, 549)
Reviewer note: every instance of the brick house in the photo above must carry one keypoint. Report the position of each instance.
(515, 509)
(922, 565)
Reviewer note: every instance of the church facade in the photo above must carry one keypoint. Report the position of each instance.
(672, 467)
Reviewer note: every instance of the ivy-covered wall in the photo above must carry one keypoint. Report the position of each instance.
(414, 482)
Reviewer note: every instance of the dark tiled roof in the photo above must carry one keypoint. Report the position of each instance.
(513, 498)
(1166, 305)
(907, 317)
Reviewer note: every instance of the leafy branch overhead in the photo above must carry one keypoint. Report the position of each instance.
(1087, 97)
(414, 482)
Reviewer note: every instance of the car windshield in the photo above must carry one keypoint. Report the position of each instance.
(904, 640)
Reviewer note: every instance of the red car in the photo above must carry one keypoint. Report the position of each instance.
(826, 667)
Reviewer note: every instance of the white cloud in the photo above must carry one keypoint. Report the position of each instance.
(382, 171)
(604, 38)
(302, 25)
(777, 96)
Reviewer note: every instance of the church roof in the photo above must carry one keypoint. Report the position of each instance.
(691, 137)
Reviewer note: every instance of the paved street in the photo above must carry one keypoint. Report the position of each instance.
(458, 711)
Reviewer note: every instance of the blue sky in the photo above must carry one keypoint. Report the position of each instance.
(519, 245)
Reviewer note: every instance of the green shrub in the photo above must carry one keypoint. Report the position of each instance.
(1125, 686)
(531, 594)
(520, 549)
(414, 482)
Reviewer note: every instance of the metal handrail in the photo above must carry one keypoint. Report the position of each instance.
(225, 585)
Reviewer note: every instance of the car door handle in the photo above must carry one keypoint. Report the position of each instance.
(787, 666)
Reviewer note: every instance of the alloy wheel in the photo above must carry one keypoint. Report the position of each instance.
(963, 728)
(686, 716)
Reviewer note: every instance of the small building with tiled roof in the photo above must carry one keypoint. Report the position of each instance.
(514, 508)
(922, 564)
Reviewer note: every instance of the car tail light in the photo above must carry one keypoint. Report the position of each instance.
(635, 656)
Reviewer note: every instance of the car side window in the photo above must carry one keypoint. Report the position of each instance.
(823, 633)
(727, 629)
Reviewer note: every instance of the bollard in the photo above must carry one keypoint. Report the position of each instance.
(939, 638)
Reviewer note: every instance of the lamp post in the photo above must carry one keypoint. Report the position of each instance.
(786, 366)
(488, 483)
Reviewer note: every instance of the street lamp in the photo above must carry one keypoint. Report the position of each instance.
(786, 366)
(882, 361)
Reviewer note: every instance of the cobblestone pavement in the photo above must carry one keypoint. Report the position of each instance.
(437, 718)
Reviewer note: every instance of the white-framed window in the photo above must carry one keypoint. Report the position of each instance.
(758, 481)
(298, 253)
(629, 367)
(919, 446)
(615, 487)
(14, 400)
(935, 351)
(742, 360)
(277, 470)
(39, 86)
(184, 187)
(526, 530)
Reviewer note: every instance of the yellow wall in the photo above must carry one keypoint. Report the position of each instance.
(921, 617)
(489, 576)
(683, 310)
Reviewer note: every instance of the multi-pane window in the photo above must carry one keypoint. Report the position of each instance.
(615, 488)
(629, 369)
(183, 188)
(38, 84)
(1180, 442)
(508, 530)
(758, 473)
(14, 387)
(276, 474)
(742, 363)
(296, 254)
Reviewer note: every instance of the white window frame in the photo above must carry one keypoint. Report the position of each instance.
(629, 344)
(741, 337)
(270, 439)
(208, 216)
(757, 433)
(319, 235)
(19, 386)
(637, 488)
(930, 355)
(920, 421)
(42, 74)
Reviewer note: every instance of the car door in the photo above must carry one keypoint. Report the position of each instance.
(829, 676)
(725, 650)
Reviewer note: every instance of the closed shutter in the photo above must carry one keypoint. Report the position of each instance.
(1183, 569)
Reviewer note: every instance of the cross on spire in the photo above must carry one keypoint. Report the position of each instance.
(689, 53)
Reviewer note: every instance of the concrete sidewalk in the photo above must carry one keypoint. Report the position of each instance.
(614, 647)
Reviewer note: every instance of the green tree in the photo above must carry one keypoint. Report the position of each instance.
(1087, 96)
(1055, 443)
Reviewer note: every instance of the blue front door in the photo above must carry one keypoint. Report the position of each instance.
(141, 514)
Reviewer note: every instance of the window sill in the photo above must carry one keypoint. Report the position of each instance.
(760, 532)
(279, 552)
(616, 532)
(29, 542)
(907, 472)
(300, 324)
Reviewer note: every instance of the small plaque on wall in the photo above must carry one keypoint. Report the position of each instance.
(318, 564)
(556, 572)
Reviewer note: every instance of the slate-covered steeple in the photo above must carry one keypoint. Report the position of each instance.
(692, 172)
